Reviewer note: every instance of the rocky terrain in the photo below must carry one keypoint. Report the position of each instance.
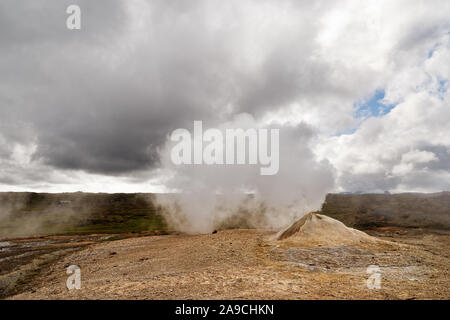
(252, 264)
(23, 259)
(125, 250)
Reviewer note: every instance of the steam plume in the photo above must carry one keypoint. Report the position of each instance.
(208, 196)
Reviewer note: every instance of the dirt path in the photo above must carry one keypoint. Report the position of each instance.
(248, 264)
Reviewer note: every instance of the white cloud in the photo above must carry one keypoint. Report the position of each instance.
(396, 145)
(417, 156)
(95, 105)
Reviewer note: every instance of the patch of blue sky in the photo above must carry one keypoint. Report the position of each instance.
(432, 50)
(373, 107)
(443, 87)
(346, 132)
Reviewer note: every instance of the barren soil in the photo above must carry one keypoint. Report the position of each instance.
(250, 264)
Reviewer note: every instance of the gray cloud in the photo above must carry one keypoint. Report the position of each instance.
(103, 99)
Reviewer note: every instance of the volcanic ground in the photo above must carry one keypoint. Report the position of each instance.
(249, 264)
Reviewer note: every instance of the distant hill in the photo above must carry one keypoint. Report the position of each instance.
(430, 210)
(24, 214)
(30, 214)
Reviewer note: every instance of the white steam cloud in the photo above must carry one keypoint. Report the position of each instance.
(210, 195)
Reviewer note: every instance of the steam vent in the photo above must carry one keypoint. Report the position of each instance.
(316, 229)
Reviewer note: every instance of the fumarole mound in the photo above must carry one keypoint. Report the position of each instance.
(316, 229)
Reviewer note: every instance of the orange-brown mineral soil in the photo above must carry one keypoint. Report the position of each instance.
(252, 264)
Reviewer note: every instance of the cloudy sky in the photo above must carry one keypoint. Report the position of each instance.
(91, 109)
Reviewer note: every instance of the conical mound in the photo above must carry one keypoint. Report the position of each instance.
(317, 229)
